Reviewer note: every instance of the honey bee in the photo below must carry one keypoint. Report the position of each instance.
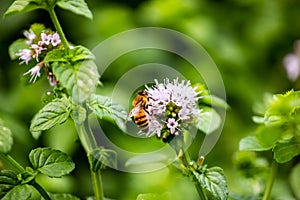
(139, 110)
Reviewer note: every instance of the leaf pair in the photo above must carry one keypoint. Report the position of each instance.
(76, 6)
(58, 110)
(279, 127)
(50, 162)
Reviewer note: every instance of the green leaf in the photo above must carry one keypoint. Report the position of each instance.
(100, 157)
(51, 162)
(210, 120)
(213, 180)
(15, 47)
(21, 6)
(215, 101)
(78, 113)
(78, 53)
(80, 80)
(251, 143)
(295, 181)
(104, 107)
(63, 197)
(243, 197)
(22, 192)
(6, 139)
(78, 7)
(56, 55)
(268, 135)
(8, 180)
(287, 150)
(53, 113)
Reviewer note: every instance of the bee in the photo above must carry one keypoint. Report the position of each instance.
(139, 111)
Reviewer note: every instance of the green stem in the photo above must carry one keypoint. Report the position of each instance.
(41, 190)
(89, 143)
(58, 28)
(97, 184)
(186, 162)
(12, 162)
(271, 180)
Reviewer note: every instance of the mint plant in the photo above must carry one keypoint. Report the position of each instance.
(278, 131)
(71, 70)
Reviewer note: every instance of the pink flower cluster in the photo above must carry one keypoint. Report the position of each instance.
(36, 47)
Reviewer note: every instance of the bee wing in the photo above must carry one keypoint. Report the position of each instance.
(134, 111)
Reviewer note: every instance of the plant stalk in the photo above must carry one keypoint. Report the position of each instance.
(186, 162)
(58, 28)
(41, 190)
(89, 143)
(271, 180)
(12, 162)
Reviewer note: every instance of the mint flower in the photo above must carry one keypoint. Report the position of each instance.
(30, 35)
(34, 72)
(55, 40)
(25, 55)
(172, 105)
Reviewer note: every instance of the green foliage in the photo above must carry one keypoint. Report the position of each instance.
(278, 127)
(21, 6)
(8, 180)
(249, 165)
(213, 181)
(105, 107)
(22, 192)
(79, 78)
(6, 139)
(78, 7)
(77, 53)
(100, 157)
(50, 162)
(210, 120)
(53, 113)
(15, 47)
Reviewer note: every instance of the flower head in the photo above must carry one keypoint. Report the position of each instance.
(171, 105)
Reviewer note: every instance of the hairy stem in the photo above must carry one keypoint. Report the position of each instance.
(41, 190)
(271, 180)
(58, 27)
(88, 142)
(186, 162)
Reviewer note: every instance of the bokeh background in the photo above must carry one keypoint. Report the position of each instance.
(247, 39)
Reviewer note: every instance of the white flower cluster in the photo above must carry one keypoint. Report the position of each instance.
(171, 105)
(36, 47)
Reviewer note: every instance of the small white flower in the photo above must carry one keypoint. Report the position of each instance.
(172, 125)
(55, 40)
(25, 55)
(34, 72)
(30, 35)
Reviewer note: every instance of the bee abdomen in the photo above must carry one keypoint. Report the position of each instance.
(141, 121)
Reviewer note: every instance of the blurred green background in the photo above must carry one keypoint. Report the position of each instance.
(247, 39)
